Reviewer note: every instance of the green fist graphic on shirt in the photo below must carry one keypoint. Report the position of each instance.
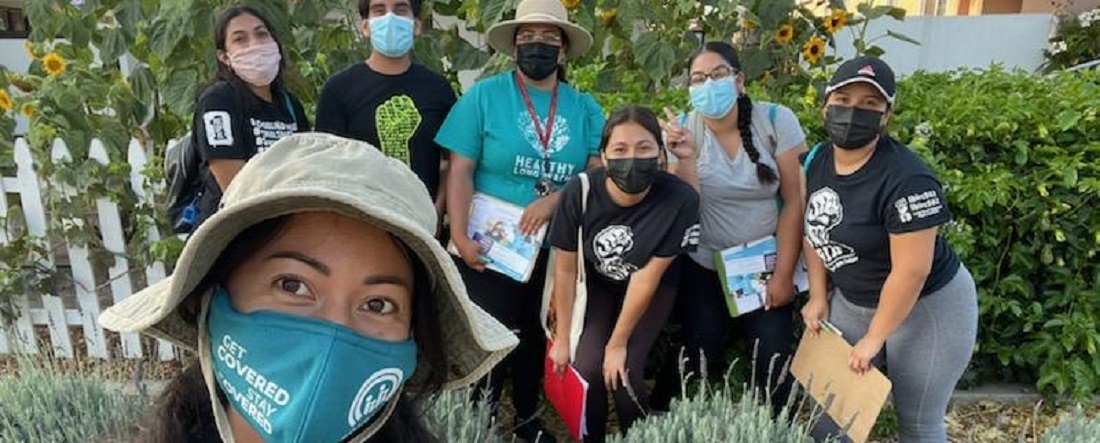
(397, 120)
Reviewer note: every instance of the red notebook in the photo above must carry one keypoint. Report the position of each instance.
(568, 393)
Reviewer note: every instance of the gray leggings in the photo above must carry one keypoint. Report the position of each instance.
(924, 357)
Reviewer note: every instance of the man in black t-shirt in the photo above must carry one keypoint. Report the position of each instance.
(389, 101)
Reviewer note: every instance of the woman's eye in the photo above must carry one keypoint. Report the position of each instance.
(380, 306)
(296, 287)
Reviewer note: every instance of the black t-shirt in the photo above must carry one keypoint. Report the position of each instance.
(849, 218)
(232, 123)
(399, 114)
(619, 241)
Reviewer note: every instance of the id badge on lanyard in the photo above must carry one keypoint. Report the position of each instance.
(544, 186)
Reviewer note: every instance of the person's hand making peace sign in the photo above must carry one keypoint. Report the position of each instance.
(681, 142)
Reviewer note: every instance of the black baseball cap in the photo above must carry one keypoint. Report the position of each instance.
(868, 70)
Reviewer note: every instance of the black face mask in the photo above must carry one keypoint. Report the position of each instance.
(537, 60)
(850, 127)
(633, 175)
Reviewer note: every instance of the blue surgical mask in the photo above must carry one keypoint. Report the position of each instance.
(298, 379)
(715, 98)
(392, 35)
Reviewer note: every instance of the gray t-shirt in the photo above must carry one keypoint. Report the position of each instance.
(735, 207)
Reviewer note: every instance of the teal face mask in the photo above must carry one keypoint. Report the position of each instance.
(392, 35)
(297, 379)
(714, 99)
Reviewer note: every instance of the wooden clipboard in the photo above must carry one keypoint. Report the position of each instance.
(821, 366)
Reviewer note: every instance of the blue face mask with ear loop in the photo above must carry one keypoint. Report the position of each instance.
(298, 379)
(714, 99)
(392, 35)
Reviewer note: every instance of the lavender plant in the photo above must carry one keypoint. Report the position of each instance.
(41, 403)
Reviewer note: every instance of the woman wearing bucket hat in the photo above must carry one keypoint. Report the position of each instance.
(319, 303)
(873, 213)
(519, 136)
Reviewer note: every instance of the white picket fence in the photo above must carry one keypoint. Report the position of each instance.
(20, 335)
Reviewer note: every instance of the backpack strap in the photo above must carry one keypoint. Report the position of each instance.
(810, 157)
(290, 107)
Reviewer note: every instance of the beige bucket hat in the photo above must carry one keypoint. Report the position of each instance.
(321, 172)
(502, 36)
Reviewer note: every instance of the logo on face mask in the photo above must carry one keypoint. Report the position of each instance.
(373, 394)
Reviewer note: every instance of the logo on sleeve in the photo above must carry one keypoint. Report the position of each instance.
(691, 236)
(824, 212)
(218, 127)
(918, 206)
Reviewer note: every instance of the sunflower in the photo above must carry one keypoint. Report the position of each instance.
(53, 63)
(5, 100)
(27, 110)
(606, 16)
(570, 4)
(784, 34)
(835, 21)
(813, 50)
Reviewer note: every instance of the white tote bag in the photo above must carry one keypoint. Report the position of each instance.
(580, 294)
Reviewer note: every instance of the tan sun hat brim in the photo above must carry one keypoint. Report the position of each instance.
(502, 36)
(320, 172)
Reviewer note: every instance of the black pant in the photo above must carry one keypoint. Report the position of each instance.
(602, 314)
(704, 319)
(516, 305)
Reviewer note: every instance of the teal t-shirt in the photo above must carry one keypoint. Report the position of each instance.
(491, 125)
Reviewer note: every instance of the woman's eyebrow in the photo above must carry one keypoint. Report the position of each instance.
(298, 256)
(375, 280)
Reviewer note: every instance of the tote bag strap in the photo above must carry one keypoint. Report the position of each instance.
(580, 229)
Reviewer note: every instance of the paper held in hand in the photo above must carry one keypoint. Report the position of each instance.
(494, 224)
(744, 271)
(853, 401)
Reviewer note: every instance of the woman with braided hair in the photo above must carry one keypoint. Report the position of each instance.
(747, 172)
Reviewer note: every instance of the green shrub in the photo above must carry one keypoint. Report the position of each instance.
(1076, 429)
(41, 403)
(454, 416)
(718, 415)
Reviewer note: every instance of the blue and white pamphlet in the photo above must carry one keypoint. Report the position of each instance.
(494, 224)
(744, 271)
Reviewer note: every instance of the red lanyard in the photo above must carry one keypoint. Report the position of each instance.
(544, 138)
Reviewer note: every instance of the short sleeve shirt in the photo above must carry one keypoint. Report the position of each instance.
(236, 125)
(492, 126)
(399, 114)
(619, 241)
(736, 207)
(849, 218)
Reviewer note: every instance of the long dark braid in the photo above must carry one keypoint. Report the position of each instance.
(764, 173)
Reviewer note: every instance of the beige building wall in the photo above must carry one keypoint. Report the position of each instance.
(915, 8)
(1074, 6)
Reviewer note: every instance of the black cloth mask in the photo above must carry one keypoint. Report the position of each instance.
(633, 175)
(852, 128)
(537, 60)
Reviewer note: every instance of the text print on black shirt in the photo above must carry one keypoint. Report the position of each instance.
(611, 244)
(823, 213)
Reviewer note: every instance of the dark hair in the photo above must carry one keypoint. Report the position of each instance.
(634, 114)
(224, 72)
(562, 77)
(364, 8)
(183, 411)
(764, 173)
